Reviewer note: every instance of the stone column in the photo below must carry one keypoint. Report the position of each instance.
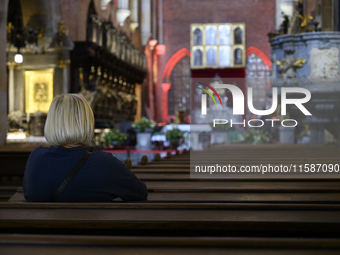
(134, 15)
(146, 21)
(154, 19)
(285, 6)
(61, 85)
(327, 15)
(138, 94)
(3, 73)
(160, 21)
(122, 11)
(165, 99)
(103, 4)
(11, 94)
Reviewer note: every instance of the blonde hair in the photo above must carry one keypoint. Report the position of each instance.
(69, 121)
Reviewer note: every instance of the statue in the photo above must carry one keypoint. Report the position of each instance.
(62, 28)
(289, 65)
(305, 19)
(285, 24)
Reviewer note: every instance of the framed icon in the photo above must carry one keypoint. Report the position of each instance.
(224, 35)
(238, 56)
(238, 30)
(224, 58)
(210, 35)
(197, 34)
(197, 57)
(217, 45)
(38, 90)
(211, 56)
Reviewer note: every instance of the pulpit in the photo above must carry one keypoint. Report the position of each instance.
(310, 61)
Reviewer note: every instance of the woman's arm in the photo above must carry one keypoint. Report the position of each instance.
(125, 184)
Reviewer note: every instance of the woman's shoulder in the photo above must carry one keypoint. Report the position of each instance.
(102, 155)
(105, 158)
(36, 158)
(39, 150)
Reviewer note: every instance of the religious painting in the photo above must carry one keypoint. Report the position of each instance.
(238, 33)
(211, 56)
(197, 56)
(197, 34)
(238, 56)
(210, 35)
(238, 36)
(224, 34)
(224, 56)
(223, 45)
(197, 37)
(38, 90)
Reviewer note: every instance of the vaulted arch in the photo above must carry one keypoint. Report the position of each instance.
(253, 50)
(173, 61)
(257, 73)
(166, 77)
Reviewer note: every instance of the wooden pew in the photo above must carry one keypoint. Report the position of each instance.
(246, 207)
(166, 212)
(62, 244)
(169, 218)
(237, 196)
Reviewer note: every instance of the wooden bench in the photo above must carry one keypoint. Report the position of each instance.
(61, 244)
(188, 211)
(206, 207)
(165, 218)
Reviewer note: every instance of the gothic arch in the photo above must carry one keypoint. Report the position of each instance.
(178, 56)
(179, 92)
(253, 50)
(257, 73)
(173, 61)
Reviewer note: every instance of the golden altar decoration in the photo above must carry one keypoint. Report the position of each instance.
(38, 90)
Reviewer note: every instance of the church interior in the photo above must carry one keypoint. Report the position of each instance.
(227, 110)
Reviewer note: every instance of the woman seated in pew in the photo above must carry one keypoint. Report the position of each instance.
(66, 172)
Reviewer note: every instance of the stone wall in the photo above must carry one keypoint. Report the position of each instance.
(258, 15)
(177, 15)
(3, 73)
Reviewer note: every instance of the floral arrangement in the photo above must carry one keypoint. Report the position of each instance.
(114, 136)
(256, 136)
(143, 124)
(14, 119)
(174, 135)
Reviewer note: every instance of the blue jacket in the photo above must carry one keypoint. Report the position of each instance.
(101, 179)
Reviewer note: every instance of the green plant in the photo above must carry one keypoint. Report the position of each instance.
(158, 134)
(14, 119)
(256, 136)
(114, 136)
(143, 124)
(174, 135)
